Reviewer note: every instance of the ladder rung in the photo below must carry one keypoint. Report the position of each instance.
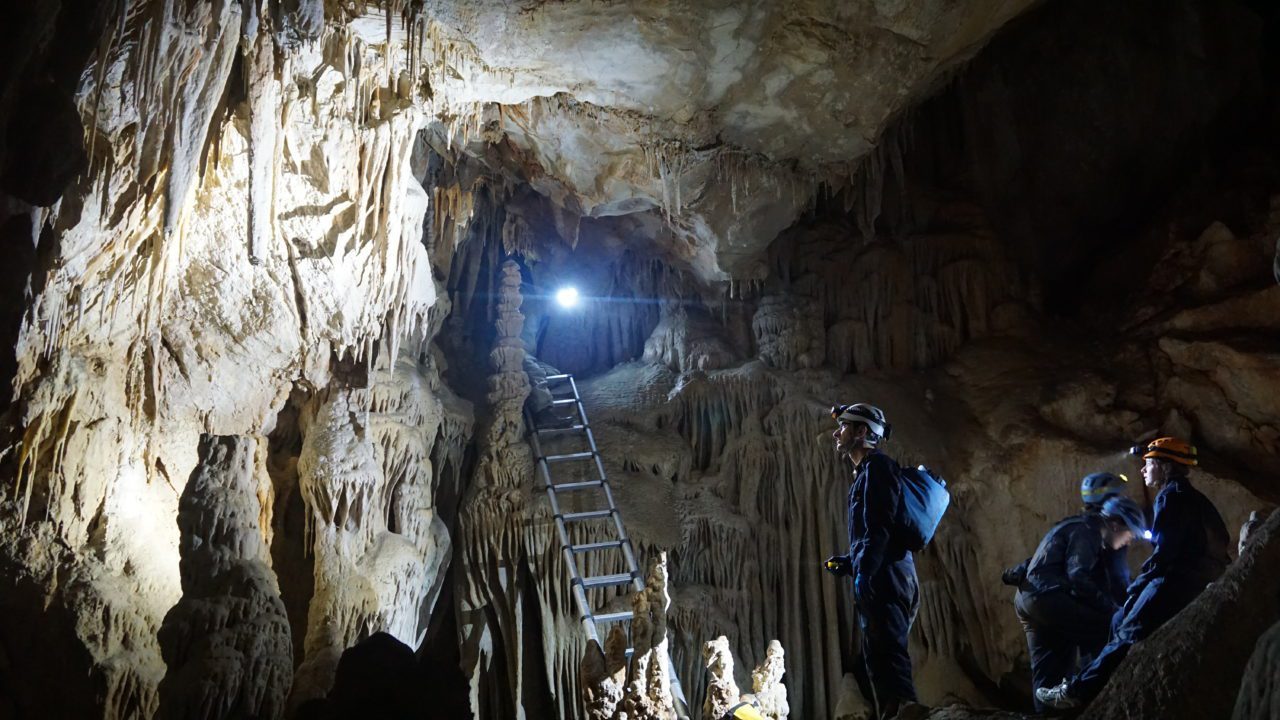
(565, 376)
(564, 401)
(577, 485)
(589, 515)
(629, 652)
(606, 580)
(570, 456)
(613, 617)
(571, 428)
(588, 547)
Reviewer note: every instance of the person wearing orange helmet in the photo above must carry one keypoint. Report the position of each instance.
(1191, 542)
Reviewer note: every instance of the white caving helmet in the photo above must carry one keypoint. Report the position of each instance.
(869, 415)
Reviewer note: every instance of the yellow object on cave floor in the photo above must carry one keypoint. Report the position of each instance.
(743, 711)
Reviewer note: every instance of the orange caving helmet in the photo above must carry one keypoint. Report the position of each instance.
(1168, 448)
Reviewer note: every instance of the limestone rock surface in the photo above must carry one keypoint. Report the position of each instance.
(719, 115)
(1260, 691)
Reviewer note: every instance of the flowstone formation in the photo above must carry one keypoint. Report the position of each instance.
(226, 644)
(369, 472)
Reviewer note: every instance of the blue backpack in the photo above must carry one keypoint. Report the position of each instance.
(924, 501)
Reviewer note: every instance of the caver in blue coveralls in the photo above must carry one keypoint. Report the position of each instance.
(1065, 602)
(886, 591)
(1190, 552)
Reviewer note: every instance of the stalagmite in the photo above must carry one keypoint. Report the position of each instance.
(614, 689)
(492, 516)
(604, 675)
(722, 689)
(648, 690)
(226, 643)
(766, 683)
(768, 695)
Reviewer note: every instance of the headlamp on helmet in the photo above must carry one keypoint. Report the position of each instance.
(862, 413)
(1172, 449)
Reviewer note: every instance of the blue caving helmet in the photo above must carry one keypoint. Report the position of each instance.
(1095, 488)
(1126, 510)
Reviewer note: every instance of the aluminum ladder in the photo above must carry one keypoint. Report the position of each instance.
(580, 427)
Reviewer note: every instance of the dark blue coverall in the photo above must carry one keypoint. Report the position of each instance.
(1191, 544)
(886, 591)
(1116, 561)
(1066, 602)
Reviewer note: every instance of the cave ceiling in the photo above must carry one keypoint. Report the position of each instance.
(723, 117)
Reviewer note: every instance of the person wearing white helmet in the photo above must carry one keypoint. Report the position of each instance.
(886, 590)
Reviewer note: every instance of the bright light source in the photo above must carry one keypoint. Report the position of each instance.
(567, 296)
(1146, 534)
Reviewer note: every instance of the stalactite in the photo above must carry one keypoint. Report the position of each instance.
(263, 90)
(148, 299)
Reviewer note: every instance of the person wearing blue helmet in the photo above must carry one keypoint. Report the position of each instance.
(1095, 489)
(1064, 603)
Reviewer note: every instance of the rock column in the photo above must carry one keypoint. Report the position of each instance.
(494, 523)
(226, 642)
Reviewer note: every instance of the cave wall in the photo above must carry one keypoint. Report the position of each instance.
(247, 223)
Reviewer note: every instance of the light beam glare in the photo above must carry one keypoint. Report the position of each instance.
(567, 297)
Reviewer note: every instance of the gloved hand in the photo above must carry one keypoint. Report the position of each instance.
(839, 565)
(1015, 575)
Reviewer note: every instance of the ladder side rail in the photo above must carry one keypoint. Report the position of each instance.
(628, 551)
(633, 568)
(578, 591)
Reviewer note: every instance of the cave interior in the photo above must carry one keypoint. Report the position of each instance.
(279, 269)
